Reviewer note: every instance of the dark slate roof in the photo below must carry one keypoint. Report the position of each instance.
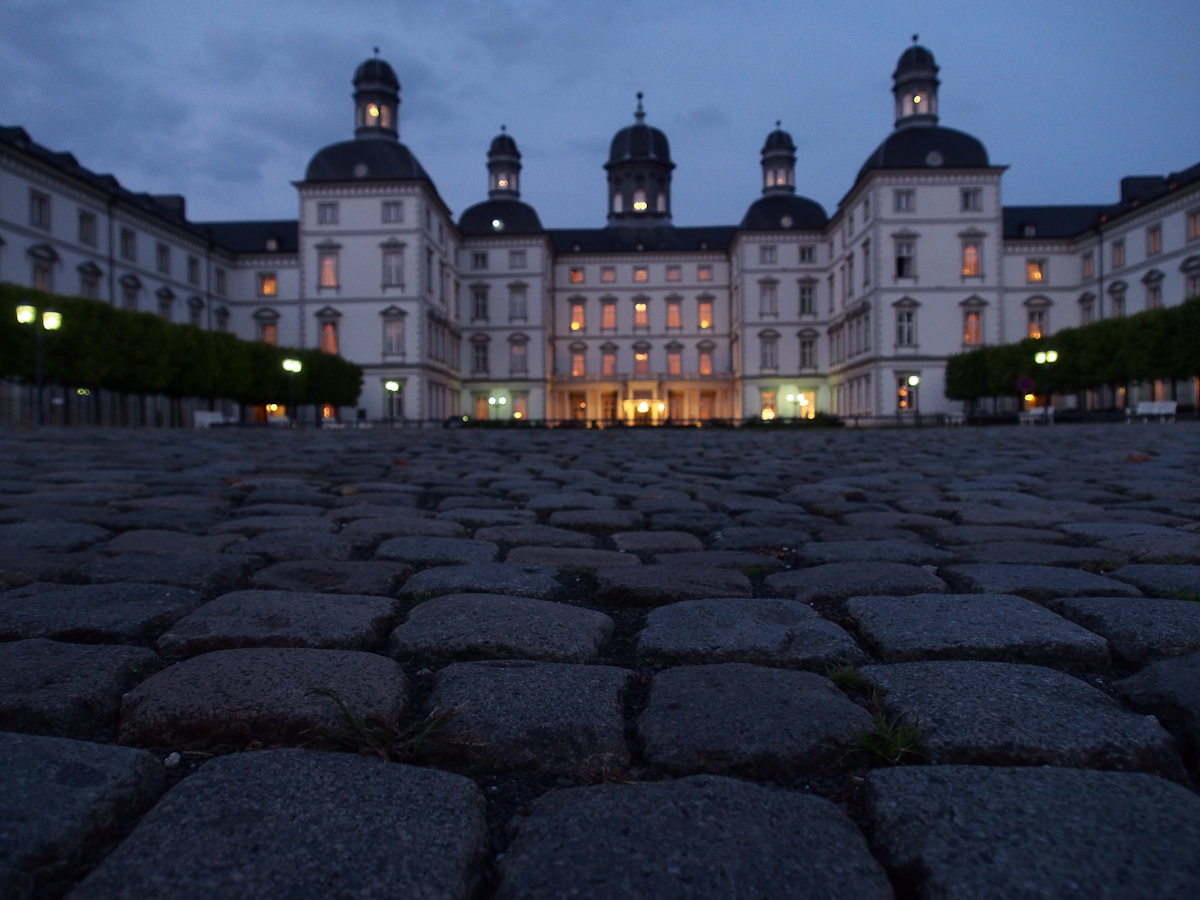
(366, 160)
(768, 214)
(639, 141)
(503, 145)
(515, 217)
(376, 71)
(252, 237)
(779, 140)
(666, 238)
(915, 57)
(914, 148)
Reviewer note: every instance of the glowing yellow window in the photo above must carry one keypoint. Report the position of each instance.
(608, 274)
(578, 365)
(674, 273)
(674, 362)
(1035, 271)
(268, 285)
(641, 273)
(970, 260)
(608, 316)
(706, 367)
(706, 314)
(639, 200)
(674, 318)
(1037, 323)
(329, 270)
(641, 316)
(268, 333)
(641, 362)
(577, 321)
(608, 363)
(577, 276)
(972, 328)
(329, 337)
(704, 273)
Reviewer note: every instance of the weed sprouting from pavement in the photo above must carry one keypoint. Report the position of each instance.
(891, 738)
(372, 736)
(847, 677)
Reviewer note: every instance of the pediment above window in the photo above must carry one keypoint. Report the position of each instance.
(480, 339)
(327, 314)
(768, 333)
(1087, 298)
(1191, 264)
(266, 315)
(1118, 287)
(164, 293)
(195, 303)
(975, 302)
(906, 303)
(393, 312)
(1152, 277)
(1038, 302)
(518, 338)
(131, 282)
(43, 253)
(90, 269)
(809, 334)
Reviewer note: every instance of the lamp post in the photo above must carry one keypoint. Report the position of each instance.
(51, 320)
(293, 367)
(391, 387)
(1045, 359)
(914, 382)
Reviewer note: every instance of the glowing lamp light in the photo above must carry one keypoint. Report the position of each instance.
(517, 415)
(1051, 356)
(791, 398)
(643, 407)
(26, 314)
(373, 111)
(503, 182)
(83, 392)
(502, 400)
(1039, 358)
(917, 99)
(803, 400)
(1029, 398)
(491, 401)
(272, 407)
(662, 407)
(292, 365)
(574, 326)
(768, 415)
(914, 380)
(497, 225)
(466, 418)
(640, 205)
(51, 320)
(392, 386)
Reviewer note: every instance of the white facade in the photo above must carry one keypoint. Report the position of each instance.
(495, 317)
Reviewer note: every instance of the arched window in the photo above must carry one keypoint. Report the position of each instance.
(639, 200)
(618, 203)
(660, 204)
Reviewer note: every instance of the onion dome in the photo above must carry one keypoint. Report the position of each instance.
(639, 175)
(784, 212)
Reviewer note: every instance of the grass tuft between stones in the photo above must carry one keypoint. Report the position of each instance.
(847, 677)
(891, 739)
(372, 736)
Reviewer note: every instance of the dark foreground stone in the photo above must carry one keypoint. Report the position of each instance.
(975, 833)
(334, 577)
(482, 578)
(839, 581)
(661, 584)
(306, 826)
(700, 838)
(1170, 690)
(61, 803)
(206, 572)
(1139, 629)
(1035, 582)
(94, 613)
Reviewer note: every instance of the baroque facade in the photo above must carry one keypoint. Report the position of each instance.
(791, 312)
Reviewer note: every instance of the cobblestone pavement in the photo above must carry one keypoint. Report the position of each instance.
(601, 664)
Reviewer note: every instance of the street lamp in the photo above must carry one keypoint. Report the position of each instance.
(1044, 359)
(913, 382)
(51, 321)
(391, 387)
(293, 367)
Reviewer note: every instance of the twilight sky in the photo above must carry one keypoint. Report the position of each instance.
(225, 101)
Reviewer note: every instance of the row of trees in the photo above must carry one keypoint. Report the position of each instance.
(1159, 343)
(100, 346)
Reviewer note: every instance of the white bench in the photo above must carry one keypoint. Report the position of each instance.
(202, 418)
(1163, 410)
(1036, 414)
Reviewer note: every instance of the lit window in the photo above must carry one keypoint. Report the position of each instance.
(608, 315)
(518, 358)
(479, 303)
(1153, 240)
(706, 362)
(808, 253)
(1118, 254)
(87, 228)
(1089, 265)
(393, 268)
(807, 300)
(479, 259)
(577, 276)
(518, 302)
(641, 362)
(641, 273)
(906, 328)
(641, 315)
(704, 273)
(393, 336)
(906, 259)
(972, 200)
(129, 244)
(1037, 323)
(768, 256)
(905, 201)
(577, 320)
(328, 268)
(708, 405)
(268, 332)
(769, 356)
(608, 362)
(392, 211)
(268, 285)
(608, 274)
(674, 273)
(674, 317)
(1193, 224)
(1035, 271)
(674, 361)
(639, 200)
(329, 337)
(516, 259)
(520, 406)
(327, 213)
(973, 327)
(706, 314)
(39, 210)
(578, 363)
(970, 266)
(768, 405)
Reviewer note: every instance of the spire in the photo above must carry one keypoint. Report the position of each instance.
(504, 167)
(640, 115)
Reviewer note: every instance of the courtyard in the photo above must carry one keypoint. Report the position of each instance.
(619, 663)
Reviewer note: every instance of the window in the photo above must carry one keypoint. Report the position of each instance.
(906, 259)
(268, 332)
(972, 327)
(906, 394)
(641, 274)
(660, 202)
(87, 228)
(578, 362)
(808, 353)
(429, 271)
(193, 270)
(1153, 240)
(1154, 295)
(866, 258)
(129, 244)
(219, 278)
(906, 328)
(479, 303)
(327, 213)
(768, 298)
(479, 356)
(520, 406)
(43, 276)
(1089, 266)
(674, 316)
(576, 276)
(518, 303)
(641, 360)
(706, 315)
(970, 264)
(708, 405)
(162, 259)
(849, 276)
(807, 300)
(905, 201)
(1116, 306)
(768, 405)
(329, 337)
(391, 212)
(428, 218)
(222, 316)
(1193, 224)
(641, 314)
(769, 351)
(618, 203)
(608, 274)
(1087, 311)
(1029, 230)
(768, 255)
(1193, 285)
(393, 267)
(516, 259)
(808, 253)
(608, 360)
(518, 357)
(608, 315)
(704, 273)
(328, 267)
(706, 364)
(578, 322)
(1118, 254)
(674, 273)
(195, 311)
(393, 336)
(268, 284)
(1035, 271)
(972, 200)
(674, 360)
(89, 283)
(639, 200)
(1037, 323)
(39, 210)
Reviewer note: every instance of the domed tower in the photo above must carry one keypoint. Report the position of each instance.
(504, 167)
(915, 86)
(779, 163)
(639, 175)
(376, 100)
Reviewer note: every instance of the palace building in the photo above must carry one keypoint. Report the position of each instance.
(791, 312)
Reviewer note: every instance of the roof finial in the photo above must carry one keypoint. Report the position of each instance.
(502, 129)
(376, 53)
(915, 38)
(778, 124)
(641, 113)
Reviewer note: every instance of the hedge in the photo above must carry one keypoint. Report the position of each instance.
(100, 346)
(1159, 343)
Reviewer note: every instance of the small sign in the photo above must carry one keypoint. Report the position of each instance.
(1025, 384)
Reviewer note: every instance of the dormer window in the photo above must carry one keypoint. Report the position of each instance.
(639, 200)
